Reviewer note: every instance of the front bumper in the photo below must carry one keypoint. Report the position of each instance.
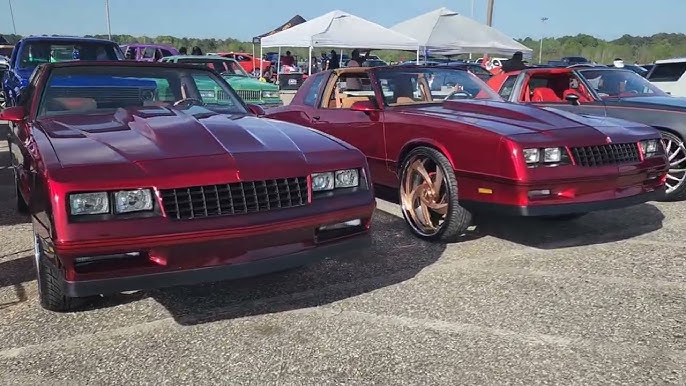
(563, 209)
(339, 248)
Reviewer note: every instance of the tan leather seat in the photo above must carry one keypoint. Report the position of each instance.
(404, 100)
(348, 101)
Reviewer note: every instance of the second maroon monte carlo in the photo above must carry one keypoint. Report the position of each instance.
(452, 147)
(133, 181)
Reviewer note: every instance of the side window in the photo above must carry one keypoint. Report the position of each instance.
(165, 52)
(667, 72)
(508, 85)
(149, 52)
(313, 93)
(350, 88)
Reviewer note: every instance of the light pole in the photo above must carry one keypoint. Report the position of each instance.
(107, 13)
(489, 18)
(470, 54)
(12, 15)
(540, 50)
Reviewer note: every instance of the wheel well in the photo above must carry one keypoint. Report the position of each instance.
(409, 148)
(667, 129)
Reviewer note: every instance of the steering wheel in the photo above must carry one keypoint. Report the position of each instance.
(189, 102)
(459, 94)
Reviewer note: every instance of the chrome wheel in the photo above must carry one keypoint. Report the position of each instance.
(424, 196)
(676, 154)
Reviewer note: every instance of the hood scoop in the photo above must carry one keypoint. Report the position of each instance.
(503, 110)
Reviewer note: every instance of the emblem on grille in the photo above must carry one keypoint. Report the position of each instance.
(608, 140)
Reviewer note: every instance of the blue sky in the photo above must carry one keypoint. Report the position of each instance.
(243, 19)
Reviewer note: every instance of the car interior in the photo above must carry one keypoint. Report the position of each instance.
(553, 87)
(348, 89)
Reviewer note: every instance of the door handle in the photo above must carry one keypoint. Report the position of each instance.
(316, 117)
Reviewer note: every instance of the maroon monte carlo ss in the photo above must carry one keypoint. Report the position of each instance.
(134, 182)
(453, 147)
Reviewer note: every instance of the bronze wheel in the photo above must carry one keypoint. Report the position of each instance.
(428, 196)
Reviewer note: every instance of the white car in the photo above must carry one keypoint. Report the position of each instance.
(670, 76)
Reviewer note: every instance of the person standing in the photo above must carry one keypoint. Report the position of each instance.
(334, 61)
(355, 59)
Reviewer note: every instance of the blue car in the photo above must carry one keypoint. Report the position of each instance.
(35, 50)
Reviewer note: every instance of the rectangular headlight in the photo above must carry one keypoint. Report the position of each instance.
(322, 181)
(89, 203)
(532, 156)
(270, 94)
(347, 178)
(552, 154)
(207, 94)
(126, 201)
(650, 147)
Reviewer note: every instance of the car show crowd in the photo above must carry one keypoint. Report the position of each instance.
(104, 137)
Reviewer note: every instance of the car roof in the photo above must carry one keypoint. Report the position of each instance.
(122, 63)
(147, 45)
(53, 38)
(672, 60)
(205, 57)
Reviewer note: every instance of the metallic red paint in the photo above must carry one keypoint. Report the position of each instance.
(163, 148)
(483, 139)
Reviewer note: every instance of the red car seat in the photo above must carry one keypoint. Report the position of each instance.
(545, 94)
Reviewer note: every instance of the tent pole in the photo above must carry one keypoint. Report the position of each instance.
(278, 65)
(253, 57)
(340, 59)
(260, 57)
(418, 55)
(309, 67)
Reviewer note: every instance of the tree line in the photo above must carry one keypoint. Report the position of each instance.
(642, 49)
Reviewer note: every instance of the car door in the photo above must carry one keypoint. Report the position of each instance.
(22, 144)
(525, 90)
(362, 129)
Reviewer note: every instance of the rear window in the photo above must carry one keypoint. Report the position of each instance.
(38, 52)
(667, 72)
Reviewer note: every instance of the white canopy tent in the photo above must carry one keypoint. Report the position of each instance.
(445, 32)
(341, 30)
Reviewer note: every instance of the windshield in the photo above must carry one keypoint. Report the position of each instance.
(105, 89)
(615, 83)
(34, 53)
(408, 86)
(222, 66)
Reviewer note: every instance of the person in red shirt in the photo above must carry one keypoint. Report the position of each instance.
(288, 60)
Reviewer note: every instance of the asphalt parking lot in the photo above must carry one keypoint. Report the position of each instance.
(600, 300)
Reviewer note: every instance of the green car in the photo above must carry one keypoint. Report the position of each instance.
(248, 88)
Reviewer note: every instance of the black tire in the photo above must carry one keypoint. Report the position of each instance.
(563, 217)
(50, 290)
(22, 206)
(676, 143)
(457, 219)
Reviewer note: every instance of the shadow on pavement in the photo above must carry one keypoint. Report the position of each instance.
(593, 228)
(395, 257)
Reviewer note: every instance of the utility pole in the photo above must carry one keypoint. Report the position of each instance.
(489, 20)
(12, 15)
(540, 50)
(470, 54)
(107, 12)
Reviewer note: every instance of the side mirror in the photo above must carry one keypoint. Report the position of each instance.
(573, 99)
(257, 110)
(13, 114)
(364, 106)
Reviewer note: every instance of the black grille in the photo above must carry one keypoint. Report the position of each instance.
(612, 154)
(234, 198)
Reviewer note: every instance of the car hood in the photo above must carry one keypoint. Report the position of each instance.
(148, 135)
(247, 83)
(511, 119)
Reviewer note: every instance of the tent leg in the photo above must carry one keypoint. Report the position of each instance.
(253, 58)
(278, 65)
(417, 56)
(340, 59)
(309, 67)
(261, 58)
